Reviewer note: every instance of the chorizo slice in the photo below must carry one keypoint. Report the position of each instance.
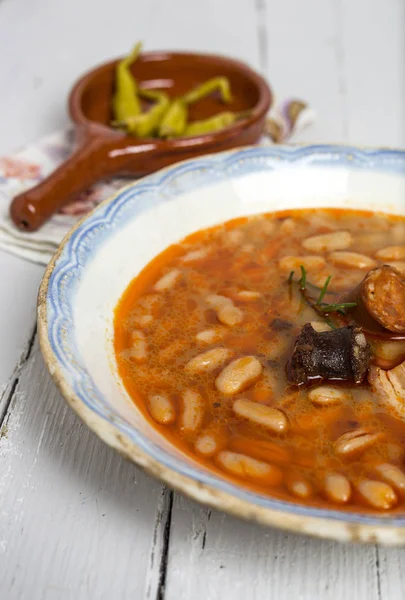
(383, 295)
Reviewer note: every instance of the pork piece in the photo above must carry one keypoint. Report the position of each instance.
(338, 354)
(381, 295)
(389, 387)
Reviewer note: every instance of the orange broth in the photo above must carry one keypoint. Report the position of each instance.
(157, 333)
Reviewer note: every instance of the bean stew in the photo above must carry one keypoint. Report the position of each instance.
(271, 349)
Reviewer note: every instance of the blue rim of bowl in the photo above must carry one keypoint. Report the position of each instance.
(78, 248)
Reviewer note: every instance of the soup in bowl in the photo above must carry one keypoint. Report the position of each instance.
(244, 345)
(232, 325)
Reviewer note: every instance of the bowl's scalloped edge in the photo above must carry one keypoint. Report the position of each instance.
(327, 524)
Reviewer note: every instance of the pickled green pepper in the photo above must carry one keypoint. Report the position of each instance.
(150, 121)
(125, 101)
(166, 118)
(216, 84)
(174, 121)
(212, 124)
(146, 123)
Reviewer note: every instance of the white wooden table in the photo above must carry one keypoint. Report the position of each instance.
(76, 521)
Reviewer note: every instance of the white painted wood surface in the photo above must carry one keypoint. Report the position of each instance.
(76, 521)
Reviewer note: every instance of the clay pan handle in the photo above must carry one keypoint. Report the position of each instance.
(94, 159)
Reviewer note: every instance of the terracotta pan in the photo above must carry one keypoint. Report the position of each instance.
(103, 152)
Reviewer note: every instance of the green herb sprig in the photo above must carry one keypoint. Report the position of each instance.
(322, 308)
(303, 281)
(337, 307)
(323, 290)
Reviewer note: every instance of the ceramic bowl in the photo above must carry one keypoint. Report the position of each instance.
(100, 256)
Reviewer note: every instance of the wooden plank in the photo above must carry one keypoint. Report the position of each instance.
(157, 567)
(303, 61)
(373, 51)
(391, 563)
(224, 27)
(77, 521)
(228, 558)
(17, 318)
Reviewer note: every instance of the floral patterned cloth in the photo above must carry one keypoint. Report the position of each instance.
(28, 167)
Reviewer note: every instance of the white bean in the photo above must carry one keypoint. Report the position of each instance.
(238, 375)
(288, 226)
(194, 255)
(341, 281)
(389, 350)
(139, 349)
(392, 475)
(206, 444)
(318, 278)
(377, 494)
(150, 302)
(337, 488)
(193, 411)
(142, 316)
(369, 241)
(216, 301)
(293, 263)
(298, 485)
(208, 361)
(161, 409)
(211, 440)
(227, 312)
(145, 320)
(355, 442)
(326, 395)
(264, 225)
(352, 260)
(167, 281)
(398, 264)
(248, 295)
(235, 237)
(230, 315)
(210, 336)
(391, 253)
(320, 326)
(327, 242)
(245, 466)
(261, 414)
(397, 233)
